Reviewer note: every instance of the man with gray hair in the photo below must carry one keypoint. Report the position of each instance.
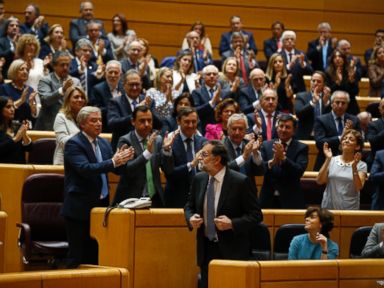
(330, 127)
(102, 51)
(51, 89)
(108, 89)
(78, 27)
(87, 160)
(208, 96)
(244, 155)
(321, 48)
(295, 60)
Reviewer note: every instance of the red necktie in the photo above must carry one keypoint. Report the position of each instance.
(243, 70)
(269, 126)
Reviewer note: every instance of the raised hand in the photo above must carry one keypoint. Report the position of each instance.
(216, 99)
(196, 221)
(123, 154)
(151, 141)
(288, 87)
(327, 151)
(168, 140)
(348, 125)
(248, 149)
(356, 160)
(67, 83)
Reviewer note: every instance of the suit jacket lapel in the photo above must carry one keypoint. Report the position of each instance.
(201, 194)
(225, 189)
(135, 143)
(88, 147)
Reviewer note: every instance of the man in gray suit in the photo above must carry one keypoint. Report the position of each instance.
(141, 176)
(51, 90)
(375, 242)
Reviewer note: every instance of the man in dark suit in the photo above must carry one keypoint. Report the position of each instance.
(295, 60)
(285, 161)
(8, 43)
(249, 98)
(375, 133)
(244, 155)
(141, 175)
(274, 44)
(87, 160)
(320, 49)
(102, 50)
(379, 40)
(236, 26)
(185, 154)
(201, 58)
(34, 23)
(374, 246)
(377, 178)
(78, 27)
(52, 88)
(208, 96)
(329, 127)
(263, 121)
(108, 89)
(223, 207)
(312, 104)
(120, 108)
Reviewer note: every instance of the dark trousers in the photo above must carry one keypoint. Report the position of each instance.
(211, 251)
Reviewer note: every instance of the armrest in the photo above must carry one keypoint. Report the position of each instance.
(24, 240)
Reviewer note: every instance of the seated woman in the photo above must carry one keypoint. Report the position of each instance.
(229, 79)
(163, 93)
(344, 174)
(281, 81)
(184, 80)
(184, 100)
(14, 140)
(223, 111)
(65, 123)
(205, 43)
(23, 95)
(316, 243)
(374, 246)
(376, 72)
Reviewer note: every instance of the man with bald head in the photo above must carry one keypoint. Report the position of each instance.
(250, 95)
(34, 22)
(201, 58)
(78, 27)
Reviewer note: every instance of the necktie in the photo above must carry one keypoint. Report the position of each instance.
(99, 158)
(134, 104)
(259, 93)
(211, 229)
(83, 81)
(289, 57)
(317, 109)
(339, 126)
(149, 175)
(189, 149)
(284, 146)
(269, 126)
(243, 70)
(324, 54)
(211, 91)
(196, 61)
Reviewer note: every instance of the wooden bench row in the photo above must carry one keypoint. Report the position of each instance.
(86, 276)
(159, 241)
(343, 273)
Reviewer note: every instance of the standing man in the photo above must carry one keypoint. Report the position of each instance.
(52, 88)
(285, 160)
(236, 26)
(34, 23)
(311, 104)
(141, 176)
(201, 58)
(250, 95)
(375, 133)
(8, 43)
(87, 160)
(274, 44)
(185, 154)
(320, 49)
(223, 207)
(331, 126)
(78, 26)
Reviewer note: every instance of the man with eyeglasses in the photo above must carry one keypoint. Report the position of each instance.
(250, 95)
(311, 104)
(120, 108)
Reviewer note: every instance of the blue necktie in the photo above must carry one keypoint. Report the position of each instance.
(211, 91)
(190, 153)
(211, 228)
(324, 52)
(83, 82)
(339, 126)
(99, 158)
(134, 104)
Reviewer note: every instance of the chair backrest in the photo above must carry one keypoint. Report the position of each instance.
(313, 192)
(358, 240)
(373, 108)
(283, 239)
(261, 242)
(42, 151)
(42, 198)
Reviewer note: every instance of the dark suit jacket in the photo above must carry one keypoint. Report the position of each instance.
(206, 113)
(78, 29)
(251, 123)
(270, 47)
(306, 114)
(326, 131)
(179, 180)
(246, 99)
(108, 52)
(225, 41)
(251, 169)
(375, 135)
(41, 33)
(133, 177)
(284, 178)
(372, 248)
(297, 71)
(82, 181)
(91, 77)
(316, 56)
(126, 65)
(238, 202)
(377, 178)
(101, 94)
(7, 53)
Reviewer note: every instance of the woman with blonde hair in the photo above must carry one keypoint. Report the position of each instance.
(65, 125)
(54, 41)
